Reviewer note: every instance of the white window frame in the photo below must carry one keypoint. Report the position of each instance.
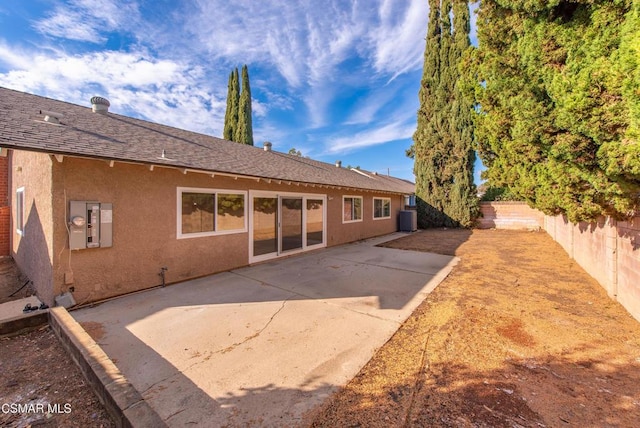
(374, 208)
(352, 208)
(20, 205)
(216, 192)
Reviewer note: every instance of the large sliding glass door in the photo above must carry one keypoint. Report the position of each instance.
(291, 224)
(265, 226)
(315, 221)
(285, 223)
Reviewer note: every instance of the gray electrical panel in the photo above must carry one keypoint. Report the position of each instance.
(90, 225)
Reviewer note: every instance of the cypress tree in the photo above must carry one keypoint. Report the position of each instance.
(464, 206)
(442, 147)
(426, 137)
(244, 130)
(227, 132)
(232, 113)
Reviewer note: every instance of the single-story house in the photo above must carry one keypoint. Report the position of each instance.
(104, 204)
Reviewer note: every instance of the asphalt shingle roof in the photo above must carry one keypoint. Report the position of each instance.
(120, 138)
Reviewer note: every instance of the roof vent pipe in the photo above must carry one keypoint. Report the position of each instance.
(338, 164)
(100, 105)
(267, 146)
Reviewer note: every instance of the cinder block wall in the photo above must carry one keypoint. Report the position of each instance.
(509, 215)
(628, 265)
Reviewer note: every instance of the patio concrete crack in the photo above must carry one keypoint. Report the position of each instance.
(160, 381)
(174, 414)
(256, 334)
(222, 351)
(326, 301)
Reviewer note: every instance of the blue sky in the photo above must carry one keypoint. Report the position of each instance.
(337, 80)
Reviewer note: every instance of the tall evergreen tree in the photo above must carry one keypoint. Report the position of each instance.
(464, 207)
(442, 147)
(244, 130)
(233, 101)
(558, 88)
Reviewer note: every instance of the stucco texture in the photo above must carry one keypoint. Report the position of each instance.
(33, 250)
(145, 231)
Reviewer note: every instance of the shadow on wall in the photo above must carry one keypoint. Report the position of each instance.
(626, 231)
(630, 231)
(589, 227)
(32, 256)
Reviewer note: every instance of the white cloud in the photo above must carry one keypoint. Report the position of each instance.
(163, 91)
(308, 43)
(374, 136)
(14, 58)
(367, 109)
(69, 26)
(398, 43)
(306, 52)
(88, 20)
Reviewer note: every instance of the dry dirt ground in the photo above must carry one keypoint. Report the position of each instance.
(36, 372)
(518, 335)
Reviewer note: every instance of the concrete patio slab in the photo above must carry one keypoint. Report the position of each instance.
(262, 345)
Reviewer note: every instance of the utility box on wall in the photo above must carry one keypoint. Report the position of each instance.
(90, 225)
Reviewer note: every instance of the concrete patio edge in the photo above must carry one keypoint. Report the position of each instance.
(122, 401)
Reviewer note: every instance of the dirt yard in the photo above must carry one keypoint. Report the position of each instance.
(518, 335)
(36, 372)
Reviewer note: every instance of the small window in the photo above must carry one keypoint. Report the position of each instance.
(20, 210)
(381, 208)
(351, 209)
(204, 212)
(197, 212)
(230, 212)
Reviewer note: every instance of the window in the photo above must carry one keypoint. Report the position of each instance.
(20, 210)
(230, 212)
(381, 208)
(204, 212)
(351, 209)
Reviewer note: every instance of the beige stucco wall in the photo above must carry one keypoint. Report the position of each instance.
(33, 251)
(341, 233)
(144, 225)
